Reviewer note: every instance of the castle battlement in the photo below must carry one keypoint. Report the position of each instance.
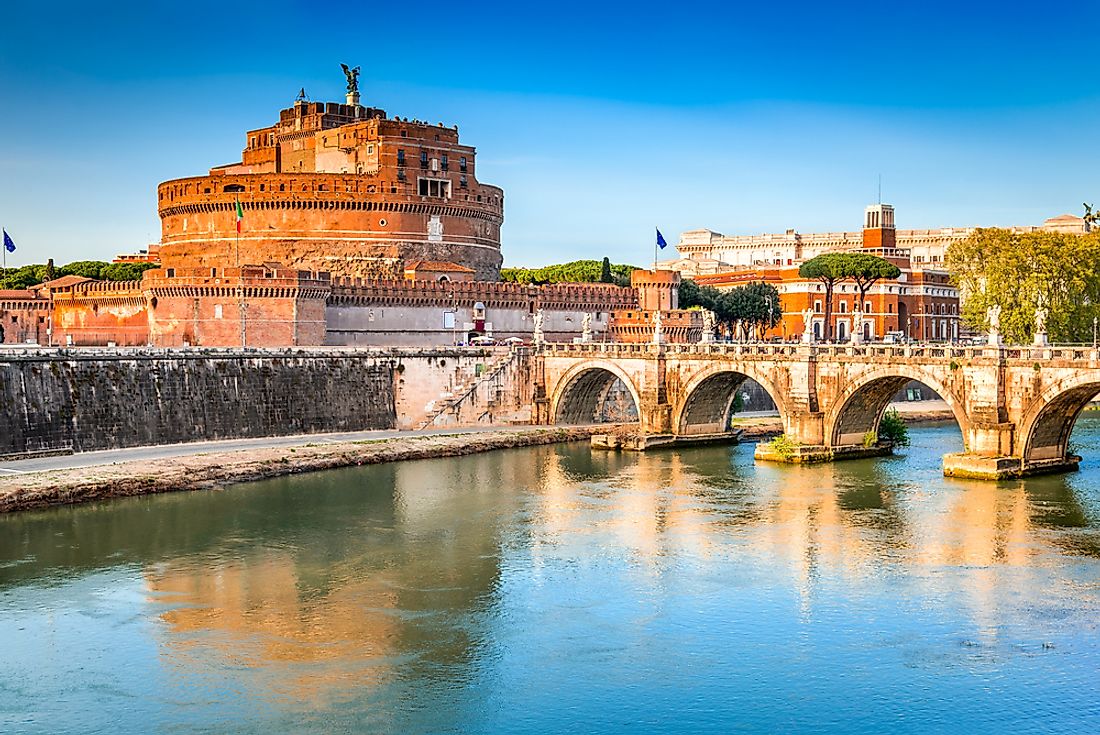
(339, 188)
(498, 294)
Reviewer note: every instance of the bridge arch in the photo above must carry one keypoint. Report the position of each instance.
(1046, 425)
(858, 408)
(583, 389)
(706, 400)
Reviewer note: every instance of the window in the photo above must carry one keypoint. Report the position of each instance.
(443, 161)
(400, 174)
(423, 159)
(171, 272)
(463, 182)
(817, 307)
(866, 307)
(434, 187)
(217, 311)
(843, 307)
(462, 164)
(213, 272)
(400, 157)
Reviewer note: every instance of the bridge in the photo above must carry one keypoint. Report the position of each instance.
(1016, 406)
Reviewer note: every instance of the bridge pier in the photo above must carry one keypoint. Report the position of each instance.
(983, 467)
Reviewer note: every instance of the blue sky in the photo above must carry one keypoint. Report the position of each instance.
(599, 121)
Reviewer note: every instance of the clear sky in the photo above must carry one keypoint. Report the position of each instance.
(599, 122)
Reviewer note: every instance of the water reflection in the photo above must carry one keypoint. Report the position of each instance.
(418, 596)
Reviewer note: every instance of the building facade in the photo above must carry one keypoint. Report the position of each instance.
(707, 252)
(920, 304)
(338, 188)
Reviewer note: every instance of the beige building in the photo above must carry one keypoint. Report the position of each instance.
(706, 251)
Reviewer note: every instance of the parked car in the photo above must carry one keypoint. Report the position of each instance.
(894, 338)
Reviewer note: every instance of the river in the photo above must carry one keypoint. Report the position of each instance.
(554, 589)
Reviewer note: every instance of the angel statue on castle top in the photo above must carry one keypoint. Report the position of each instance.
(353, 77)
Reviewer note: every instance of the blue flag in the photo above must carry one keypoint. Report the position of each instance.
(8, 244)
(661, 240)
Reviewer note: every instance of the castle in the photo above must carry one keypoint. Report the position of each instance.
(339, 188)
(338, 226)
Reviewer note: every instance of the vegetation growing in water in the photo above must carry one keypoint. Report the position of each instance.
(893, 429)
(783, 446)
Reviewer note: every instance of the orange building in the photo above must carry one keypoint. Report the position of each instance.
(658, 292)
(339, 188)
(920, 304)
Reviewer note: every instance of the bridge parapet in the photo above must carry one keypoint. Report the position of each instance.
(1015, 405)
(923, 352)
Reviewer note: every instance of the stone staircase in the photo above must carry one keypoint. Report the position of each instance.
(466, 393)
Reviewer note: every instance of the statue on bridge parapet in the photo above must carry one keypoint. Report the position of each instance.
(993, 316)
(586, 328)
(537, 338)
(1090, 218)
(709, 320)
(857, 327)
(807, 326)
(658, 336)
(1041, 314)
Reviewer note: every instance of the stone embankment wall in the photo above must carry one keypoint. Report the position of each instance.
(83, 400)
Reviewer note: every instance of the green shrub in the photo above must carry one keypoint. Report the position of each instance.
(870, 439)
(893, 429)
(783, 446)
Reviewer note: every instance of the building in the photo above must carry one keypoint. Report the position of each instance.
(337, 188)
(705, 247)
(150, 254)
(355, 228)
(921, 303)
(658, 293)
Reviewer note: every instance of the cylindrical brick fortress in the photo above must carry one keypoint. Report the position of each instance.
(340, 188)
(340, 223)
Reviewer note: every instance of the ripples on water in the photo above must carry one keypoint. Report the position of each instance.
(557, 590)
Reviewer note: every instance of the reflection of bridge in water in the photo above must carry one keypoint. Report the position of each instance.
(1016, 406)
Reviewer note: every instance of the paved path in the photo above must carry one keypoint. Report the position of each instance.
(111, 456)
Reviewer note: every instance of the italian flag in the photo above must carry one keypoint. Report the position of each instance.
(240, 216)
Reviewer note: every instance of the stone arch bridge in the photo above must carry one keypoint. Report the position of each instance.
(1016, 406)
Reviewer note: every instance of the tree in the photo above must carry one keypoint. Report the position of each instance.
(828, 268)
(1022, 271)
(605, 271)
(577, 271)
(866, 269)
(125, 271)
(23, 277)
(762, 306)
(85, 268)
